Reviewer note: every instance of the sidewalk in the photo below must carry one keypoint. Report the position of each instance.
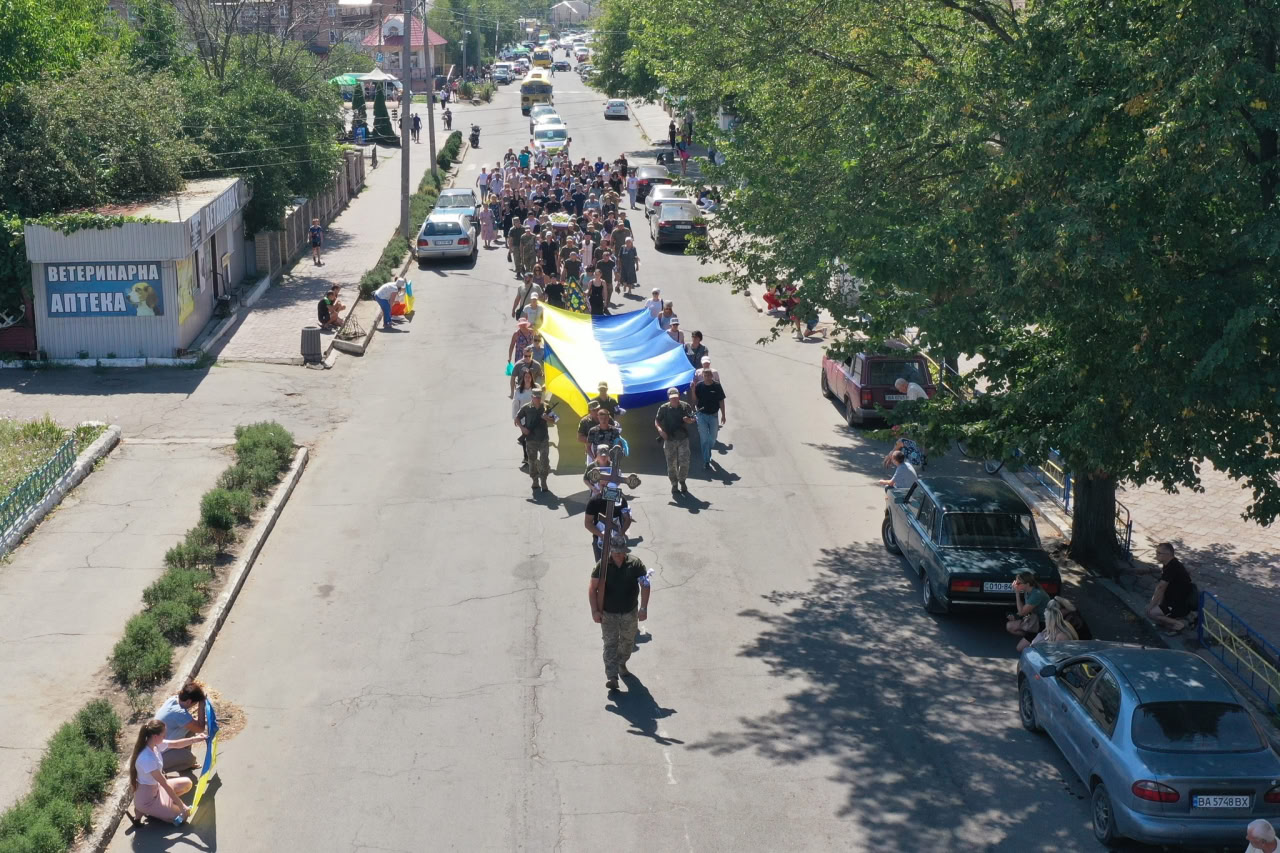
(68, 591)
(271, 331)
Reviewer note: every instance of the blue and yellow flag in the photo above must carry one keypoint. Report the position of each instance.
(210, 757)
(630, 352)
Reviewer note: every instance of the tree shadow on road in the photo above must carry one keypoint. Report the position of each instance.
(915, 713)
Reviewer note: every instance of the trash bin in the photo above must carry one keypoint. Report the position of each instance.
(312, 352)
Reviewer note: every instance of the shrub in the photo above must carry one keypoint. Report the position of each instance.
(268, 434)
(143, 656)
(99, 723)
(466, 89)
(382, 130)
(198, 550)
(235, 477)
(173, 617)
(261, 469)
(185, 586)
(217, 511)
(72, 769)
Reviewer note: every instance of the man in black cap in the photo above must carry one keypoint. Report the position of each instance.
(672, 422)
(614, 607)
(584, 427)
(533, 419)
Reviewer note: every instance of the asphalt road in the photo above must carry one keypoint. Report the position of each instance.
(419, 669)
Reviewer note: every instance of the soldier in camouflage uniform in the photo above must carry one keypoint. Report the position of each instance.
(672, 422)
(528, 250)
(625, 580)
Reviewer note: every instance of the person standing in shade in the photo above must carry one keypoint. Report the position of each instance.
(417, 126)
(533, 419)
(709, 401)
(605, 401)
(614, 608)
(672, 422)
(671, 134)
(316, 235)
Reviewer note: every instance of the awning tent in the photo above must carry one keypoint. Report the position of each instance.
(630, 351)
(377, 75)
(345, 80)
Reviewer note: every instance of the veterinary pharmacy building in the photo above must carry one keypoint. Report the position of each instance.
(145, 288)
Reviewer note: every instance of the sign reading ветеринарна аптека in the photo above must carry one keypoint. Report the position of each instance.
(130, 289)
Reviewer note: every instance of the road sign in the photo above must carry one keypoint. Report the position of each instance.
(378, 58)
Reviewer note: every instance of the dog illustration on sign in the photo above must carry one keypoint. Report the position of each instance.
(143, 296)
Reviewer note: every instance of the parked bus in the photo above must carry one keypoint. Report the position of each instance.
(535, 89)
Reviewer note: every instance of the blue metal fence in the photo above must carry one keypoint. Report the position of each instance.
(1240, 648)
(33, 489)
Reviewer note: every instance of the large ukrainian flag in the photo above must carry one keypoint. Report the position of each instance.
(629, 351)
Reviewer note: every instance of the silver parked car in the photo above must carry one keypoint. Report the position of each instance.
(1166, 748)
(446, 235)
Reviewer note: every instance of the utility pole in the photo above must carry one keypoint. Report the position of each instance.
(431, 93)
(406, 86)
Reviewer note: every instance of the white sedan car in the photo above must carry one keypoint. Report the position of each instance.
(547, 118)
(615, 108)
(663, 192)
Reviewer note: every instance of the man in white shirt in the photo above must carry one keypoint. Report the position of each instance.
(911, 389)
(904, 474)
(384, 296)
(533, 311)
(1261, 836)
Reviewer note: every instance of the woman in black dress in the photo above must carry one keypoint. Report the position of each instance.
(595, 295)
(629, 263)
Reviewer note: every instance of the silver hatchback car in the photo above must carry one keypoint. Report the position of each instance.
(446, 235)
(1166, 748)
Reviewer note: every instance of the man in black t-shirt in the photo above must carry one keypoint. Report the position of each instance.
(1174, 595)
(593, 520)
(708, 399)
(625, 580)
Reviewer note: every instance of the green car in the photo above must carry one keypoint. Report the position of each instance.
(967, 537)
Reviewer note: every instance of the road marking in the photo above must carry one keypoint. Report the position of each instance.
(666, 753)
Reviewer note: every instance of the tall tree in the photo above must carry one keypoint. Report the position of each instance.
(1080, 195)
(383, 132)
(623, 69)
(359, 109)
(43, 38)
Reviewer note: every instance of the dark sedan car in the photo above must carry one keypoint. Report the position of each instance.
(648, 177)
(967, 537)
(675, 222)
(1169, 753)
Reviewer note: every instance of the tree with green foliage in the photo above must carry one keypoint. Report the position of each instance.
(359, 109)
(159, 40)
(1078, 196)
(383, 132)
(623, 69)
(41, 38)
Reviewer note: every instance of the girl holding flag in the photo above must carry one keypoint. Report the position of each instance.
(155, 794)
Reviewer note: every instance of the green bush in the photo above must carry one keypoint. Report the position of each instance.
(143, 656)
(72, 770)
(198, 550)
(99, 723)
(241, 504)
(217, 511)
(185, 586)
(466, 89)
(383, 132)
(235, 477)
(269, 435)
(173, 617)
(261, 470)
(486, 91)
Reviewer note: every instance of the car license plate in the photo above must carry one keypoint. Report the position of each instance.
(895, 397)
(1221, 801)
(442, 242)
(994, 586)
(684, 227)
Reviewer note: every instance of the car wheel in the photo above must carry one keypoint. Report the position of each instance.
(1104, 816)
(826, 386)
(849, 417)
(1027, 707)
(931, 602)
(886, 533)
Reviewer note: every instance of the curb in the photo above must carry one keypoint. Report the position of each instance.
(354, 347)
(118, 800)
(756, 303)
(79, 469)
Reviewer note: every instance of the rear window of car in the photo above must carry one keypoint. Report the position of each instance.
(1194, 727)
(678, 210)
(988, 530)
(456, 201)
(886, 371)
(550, 133)
(443, 229)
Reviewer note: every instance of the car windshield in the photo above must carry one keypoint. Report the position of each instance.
(441, 229)
(988, 530)
(887, 371)
(678, 210)
(456, 201)
(550, 134)
(1194, 727)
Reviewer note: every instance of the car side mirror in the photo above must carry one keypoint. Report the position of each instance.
(1048, 671)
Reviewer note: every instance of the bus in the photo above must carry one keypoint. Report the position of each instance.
(542, 57)
(535, 89)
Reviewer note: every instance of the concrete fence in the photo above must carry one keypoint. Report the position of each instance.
(275, 250)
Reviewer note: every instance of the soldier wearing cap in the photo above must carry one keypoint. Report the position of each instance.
(625, 580)
(533, 419)
(585, 425)
(606, 402)
(672, 422)
(606, 430)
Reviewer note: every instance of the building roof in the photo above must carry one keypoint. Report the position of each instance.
(179, 207)
(415, 40)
